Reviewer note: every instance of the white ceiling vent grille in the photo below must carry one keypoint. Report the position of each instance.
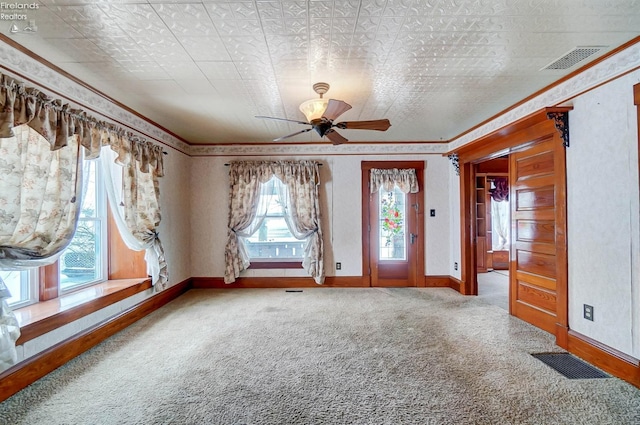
(573, 57)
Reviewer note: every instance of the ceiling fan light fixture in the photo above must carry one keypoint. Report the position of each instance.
(313, 109)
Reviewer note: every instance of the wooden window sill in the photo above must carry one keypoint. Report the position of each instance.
(275, 264)
(40, 318)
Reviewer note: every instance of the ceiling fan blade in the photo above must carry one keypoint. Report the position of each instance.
(282, 119)
(335, 108)
(380, 125)
(292, 134)
(335, 137)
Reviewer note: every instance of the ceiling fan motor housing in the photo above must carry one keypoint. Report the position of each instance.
(321, 126)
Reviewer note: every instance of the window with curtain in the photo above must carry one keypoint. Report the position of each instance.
(83, 262)
(22, 285)
(272, 241)
(298, 197)
(44, 224)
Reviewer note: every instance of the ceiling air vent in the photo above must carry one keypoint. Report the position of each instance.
(573, 57)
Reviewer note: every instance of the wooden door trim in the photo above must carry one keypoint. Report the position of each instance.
(518, 136)
(366, 166)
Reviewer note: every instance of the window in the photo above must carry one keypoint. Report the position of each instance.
(87, 260)
(272, 240)
(83, 262)
(22, 285)
(391, 213)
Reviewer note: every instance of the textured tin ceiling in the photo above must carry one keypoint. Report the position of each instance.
(434, 68)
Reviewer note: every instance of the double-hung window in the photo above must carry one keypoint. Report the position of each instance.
(272, 241)
(84, 261)
(87, 259)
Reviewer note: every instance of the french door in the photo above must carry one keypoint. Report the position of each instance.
(393, 230)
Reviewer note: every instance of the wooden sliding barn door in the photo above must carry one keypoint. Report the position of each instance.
(538, 237)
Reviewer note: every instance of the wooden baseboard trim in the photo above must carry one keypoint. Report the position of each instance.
(437, 281)
(25, 373)
(434, 281)
(455, 284)
(278, 282)
(606, 358)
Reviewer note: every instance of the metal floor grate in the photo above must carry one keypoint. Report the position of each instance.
(570, 366)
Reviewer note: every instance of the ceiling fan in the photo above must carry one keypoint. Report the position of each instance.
(321, 113)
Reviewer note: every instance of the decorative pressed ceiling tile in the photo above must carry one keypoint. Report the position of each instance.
(434, 68)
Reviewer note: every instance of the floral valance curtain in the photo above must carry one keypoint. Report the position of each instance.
(301, 179)
(141, 165)
(405, 179)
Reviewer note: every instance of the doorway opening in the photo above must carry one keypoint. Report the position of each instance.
(493, 227)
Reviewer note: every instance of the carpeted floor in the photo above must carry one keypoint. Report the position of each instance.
(322, 356)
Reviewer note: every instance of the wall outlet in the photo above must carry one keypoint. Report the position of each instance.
(338, 266)
(432, 213)
(455, 266)
(588, 312)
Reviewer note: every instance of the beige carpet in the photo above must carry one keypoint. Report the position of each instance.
(323, 356)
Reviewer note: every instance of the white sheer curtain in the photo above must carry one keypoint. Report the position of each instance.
(137, 217)
(246, 206)
(9, 330)
(500, 225)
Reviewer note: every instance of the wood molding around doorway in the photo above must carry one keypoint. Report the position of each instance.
(366, 167)
(521, 135)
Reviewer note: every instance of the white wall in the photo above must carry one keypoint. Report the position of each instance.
(341, 209)
(602, 212)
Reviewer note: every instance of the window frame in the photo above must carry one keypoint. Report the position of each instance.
(30, 283)
(275, 263)
(117, 260)
(99, 217)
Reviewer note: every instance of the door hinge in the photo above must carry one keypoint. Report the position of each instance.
(416, 206)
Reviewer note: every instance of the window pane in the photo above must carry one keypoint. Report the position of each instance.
(391, 213)
(80, 263)
(274, 240)
(90, 198)
(18, 284)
